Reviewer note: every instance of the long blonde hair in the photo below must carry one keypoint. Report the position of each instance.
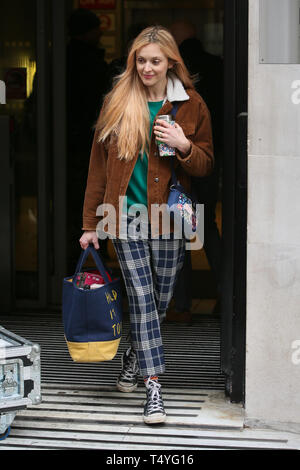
(125, 114)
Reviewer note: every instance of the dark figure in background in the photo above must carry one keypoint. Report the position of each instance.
(208, 70)
(117, 66)
(87, 82)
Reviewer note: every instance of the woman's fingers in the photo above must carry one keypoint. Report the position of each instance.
(166, 127)
(83, 244)
(163, 123)
(160, 129)
(96, 244)
(86, 239)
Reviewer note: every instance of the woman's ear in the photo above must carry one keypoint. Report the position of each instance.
(171, 64)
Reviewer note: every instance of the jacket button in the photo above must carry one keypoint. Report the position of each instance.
(156, 180)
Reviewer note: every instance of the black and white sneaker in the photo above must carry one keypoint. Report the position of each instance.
(154, 411)
(128, 378)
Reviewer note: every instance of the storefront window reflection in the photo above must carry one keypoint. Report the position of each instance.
(18, 72)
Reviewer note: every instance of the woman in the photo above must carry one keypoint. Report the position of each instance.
(125, 162)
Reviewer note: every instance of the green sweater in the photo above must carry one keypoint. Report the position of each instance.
(137, 187)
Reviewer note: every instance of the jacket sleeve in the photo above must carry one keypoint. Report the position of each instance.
(96, 184)
(200, 160)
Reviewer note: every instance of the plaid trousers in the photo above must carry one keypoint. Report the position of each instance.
(150, 268)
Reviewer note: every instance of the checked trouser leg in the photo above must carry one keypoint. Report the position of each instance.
(149, 269)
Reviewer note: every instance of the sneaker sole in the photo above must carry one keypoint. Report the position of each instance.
(156, 418)
(126, 388)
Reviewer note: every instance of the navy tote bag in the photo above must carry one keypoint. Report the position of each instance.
(92, 318)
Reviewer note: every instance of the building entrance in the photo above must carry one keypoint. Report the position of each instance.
(35, 121)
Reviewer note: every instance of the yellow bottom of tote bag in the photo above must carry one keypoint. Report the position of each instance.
(96, 351)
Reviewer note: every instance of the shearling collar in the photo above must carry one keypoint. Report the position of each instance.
(175, 89)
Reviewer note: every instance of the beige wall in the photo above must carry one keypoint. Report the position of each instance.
(273, 260)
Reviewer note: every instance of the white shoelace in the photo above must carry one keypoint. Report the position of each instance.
(155, 402)
(130, 368)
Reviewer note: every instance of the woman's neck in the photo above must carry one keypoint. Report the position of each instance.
(157, 93)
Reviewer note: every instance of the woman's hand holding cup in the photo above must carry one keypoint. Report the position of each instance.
(172, 135)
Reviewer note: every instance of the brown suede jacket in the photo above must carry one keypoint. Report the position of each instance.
(108, 176)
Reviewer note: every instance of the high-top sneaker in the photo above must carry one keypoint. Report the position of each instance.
(154, 411)
(128, 378)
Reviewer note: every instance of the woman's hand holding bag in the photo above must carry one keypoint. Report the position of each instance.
(89, 236)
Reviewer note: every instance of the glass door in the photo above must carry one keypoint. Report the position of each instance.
(24, 49)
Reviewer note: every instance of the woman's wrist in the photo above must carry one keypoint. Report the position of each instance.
(185, 147)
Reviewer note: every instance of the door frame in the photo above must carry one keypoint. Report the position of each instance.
(6, 203)
(59, 217)
(234, 198)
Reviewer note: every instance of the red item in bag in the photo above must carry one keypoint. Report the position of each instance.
(92, 277)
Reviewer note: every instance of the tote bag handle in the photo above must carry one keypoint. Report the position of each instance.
(97, 259)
